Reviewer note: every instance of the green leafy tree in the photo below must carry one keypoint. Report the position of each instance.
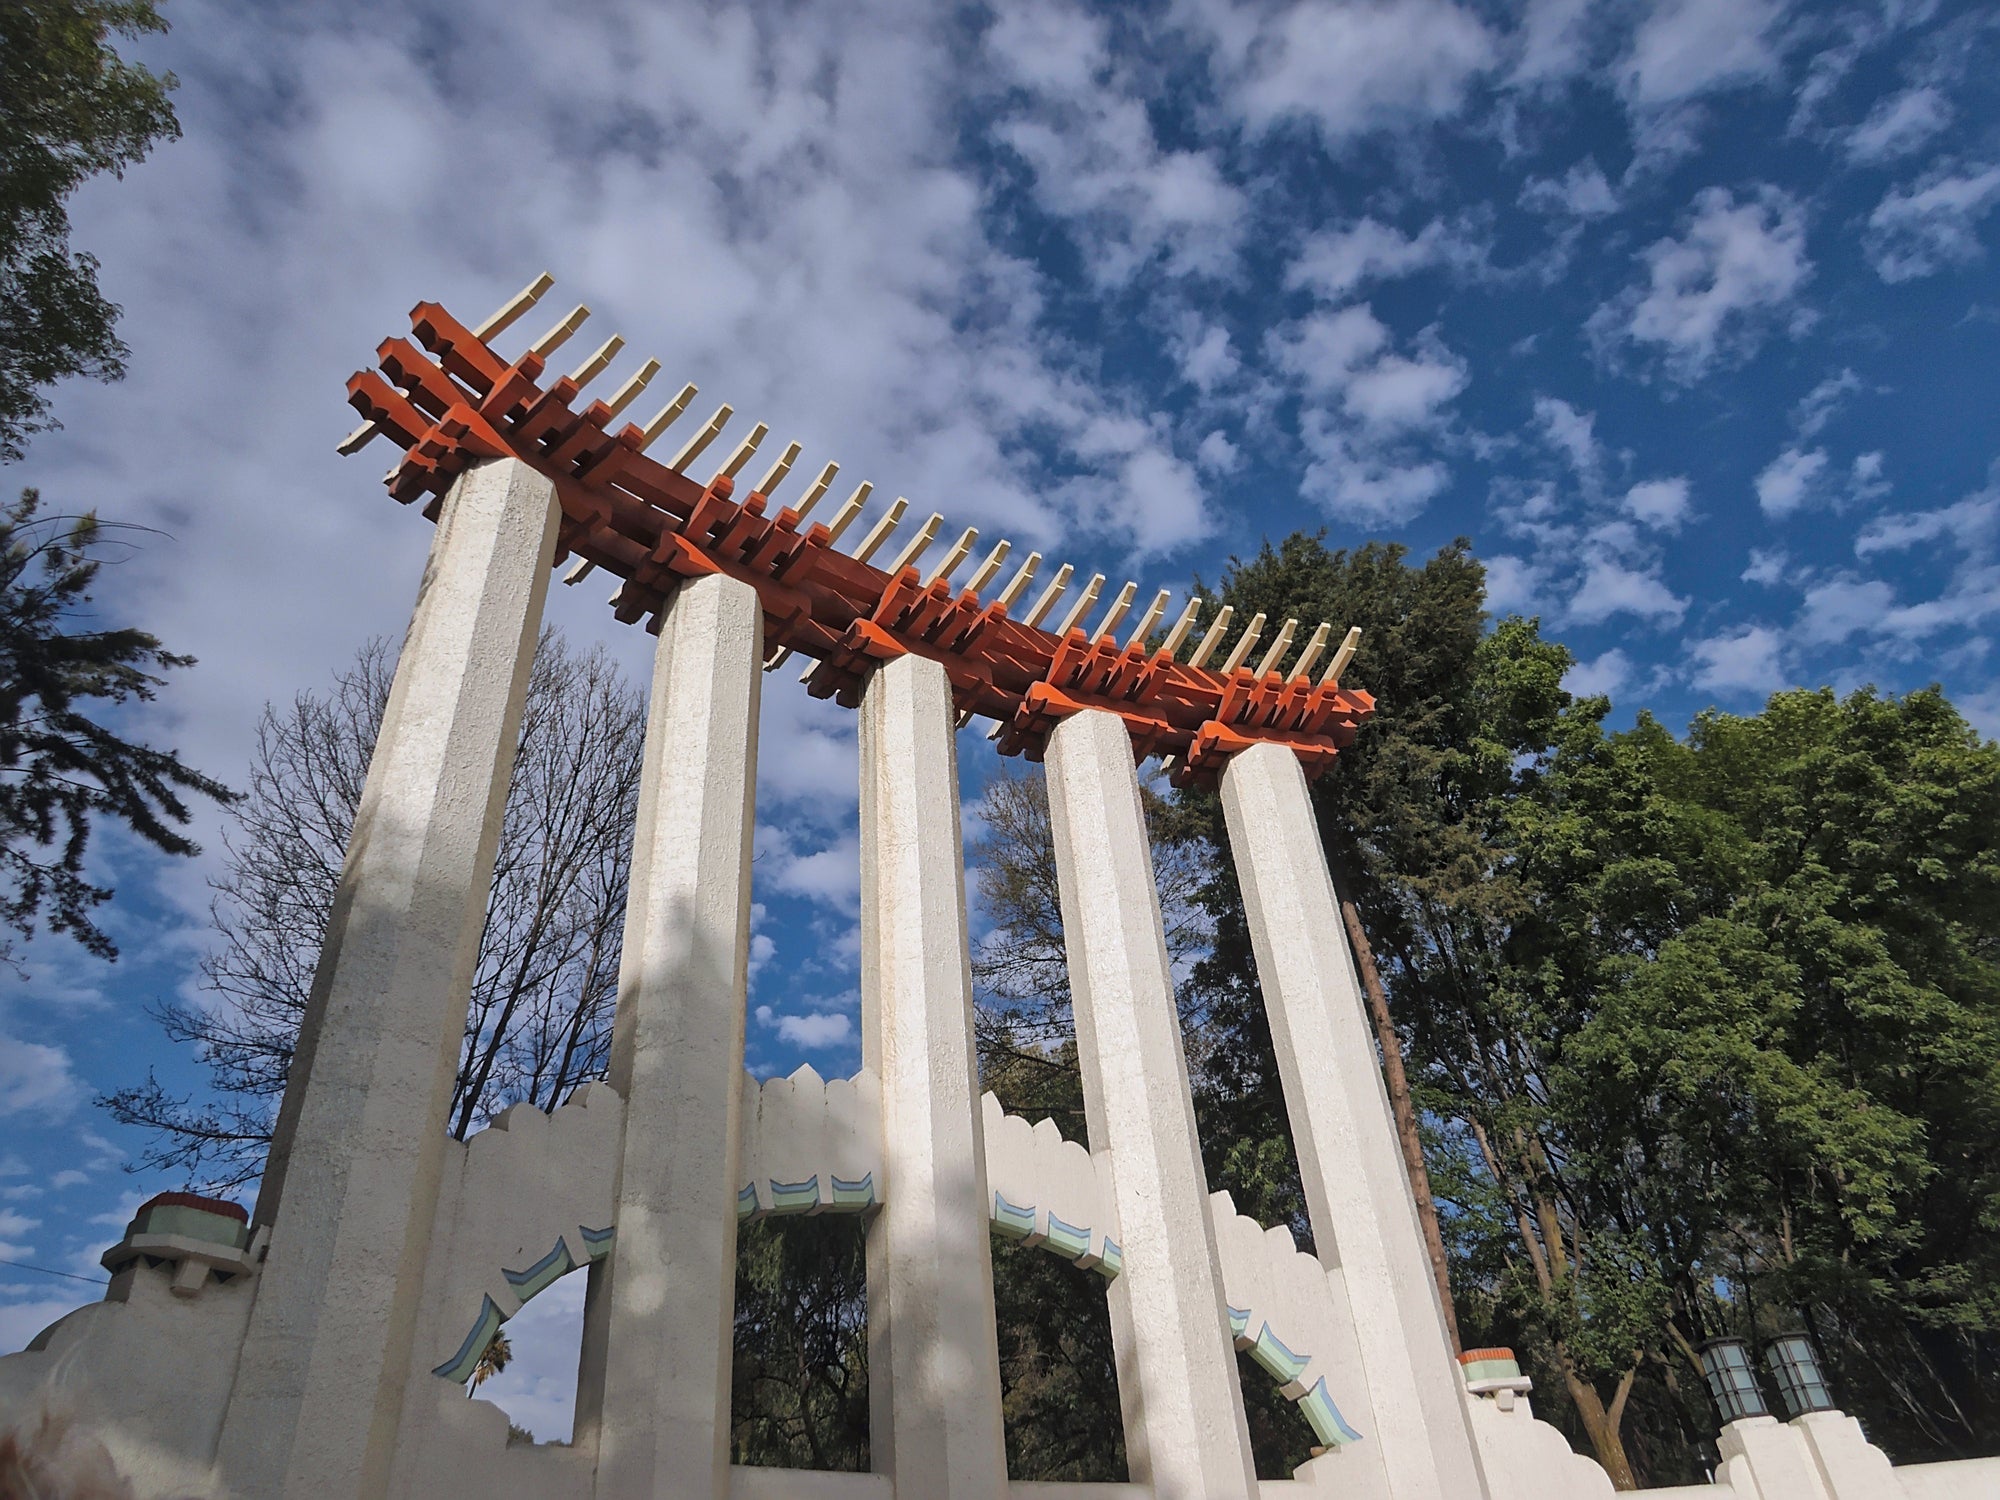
(1413, 818)
(1775, 939)
(1421, 627)
(70, 108)
(61, 768)
(799, 1373)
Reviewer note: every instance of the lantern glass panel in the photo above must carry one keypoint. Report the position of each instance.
(1795, 1366)
(1732, 1381)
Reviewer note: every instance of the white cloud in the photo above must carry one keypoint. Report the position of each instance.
(1396, 392)
(1610, 587)
(1580, 193)
(68, 1177)
(1605, 674)
(1136, 475)
(36, 1078)
(1689, 47)
(1744, 660)
(1765, 567)
(1839, 607)
(1972, 525)
(1788, 482)
(1660, 503)
(1710, 294)
(1345, 354)
(119, 1215)
(1970, 600)
(1217, 455)
(1513, 585)
(1130, 202)
(1324, 349)
(830, 874)
(1096, 161)
(1982, 711)
(763, 948)
(1347, 69)
(1370, 409)
(1864, 480)
(1365, 486)
(1204, 353)
(1898, 125)
(12, 1226)
(807, 764)
(1336, 262)
(816, 1031)
(1552, 40)
(1932, 224)
(1819, 405)
(1572, 433)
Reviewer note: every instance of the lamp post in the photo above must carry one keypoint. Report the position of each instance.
(1794, 1364)
(1732, 1380)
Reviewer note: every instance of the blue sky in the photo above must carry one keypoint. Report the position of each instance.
(1685, 313)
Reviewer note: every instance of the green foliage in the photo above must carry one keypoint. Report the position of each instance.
(1702, 1029)
(70, 108)
(1772, 953)
(1059, 1381)
(61, 769)
(799, 1373)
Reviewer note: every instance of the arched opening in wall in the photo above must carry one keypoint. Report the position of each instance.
(1058, 1377)
(528, 1368)
(799, 1371)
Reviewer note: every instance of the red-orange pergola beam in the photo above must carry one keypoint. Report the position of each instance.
(448, 401)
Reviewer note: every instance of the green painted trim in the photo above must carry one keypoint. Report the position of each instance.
(1066, 1240)
(1277, 1361)
(193, 1224)
(1014, 1222)
(458, 1369)
(853, 1196)
(795, 1197)
(1328, 1425)
(543, 1274)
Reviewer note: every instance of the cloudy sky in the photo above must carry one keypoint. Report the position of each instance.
(1685, 313)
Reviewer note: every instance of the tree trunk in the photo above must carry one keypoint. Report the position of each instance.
(1400, 1104)
(1603, 1426)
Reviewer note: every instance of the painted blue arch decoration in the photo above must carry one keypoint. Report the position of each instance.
(525, 1284)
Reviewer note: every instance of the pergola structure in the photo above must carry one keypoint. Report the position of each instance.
(316, 1347)
(454, 402)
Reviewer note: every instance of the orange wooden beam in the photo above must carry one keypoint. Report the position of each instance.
(449, 401)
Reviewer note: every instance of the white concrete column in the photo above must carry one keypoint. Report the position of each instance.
(655, 1387)
(1185, 1433)
(935, 1423)
(353, 1179)
(1357, 1189)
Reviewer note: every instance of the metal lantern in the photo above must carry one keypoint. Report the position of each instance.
(1795, 1366)
(1732, 1380)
